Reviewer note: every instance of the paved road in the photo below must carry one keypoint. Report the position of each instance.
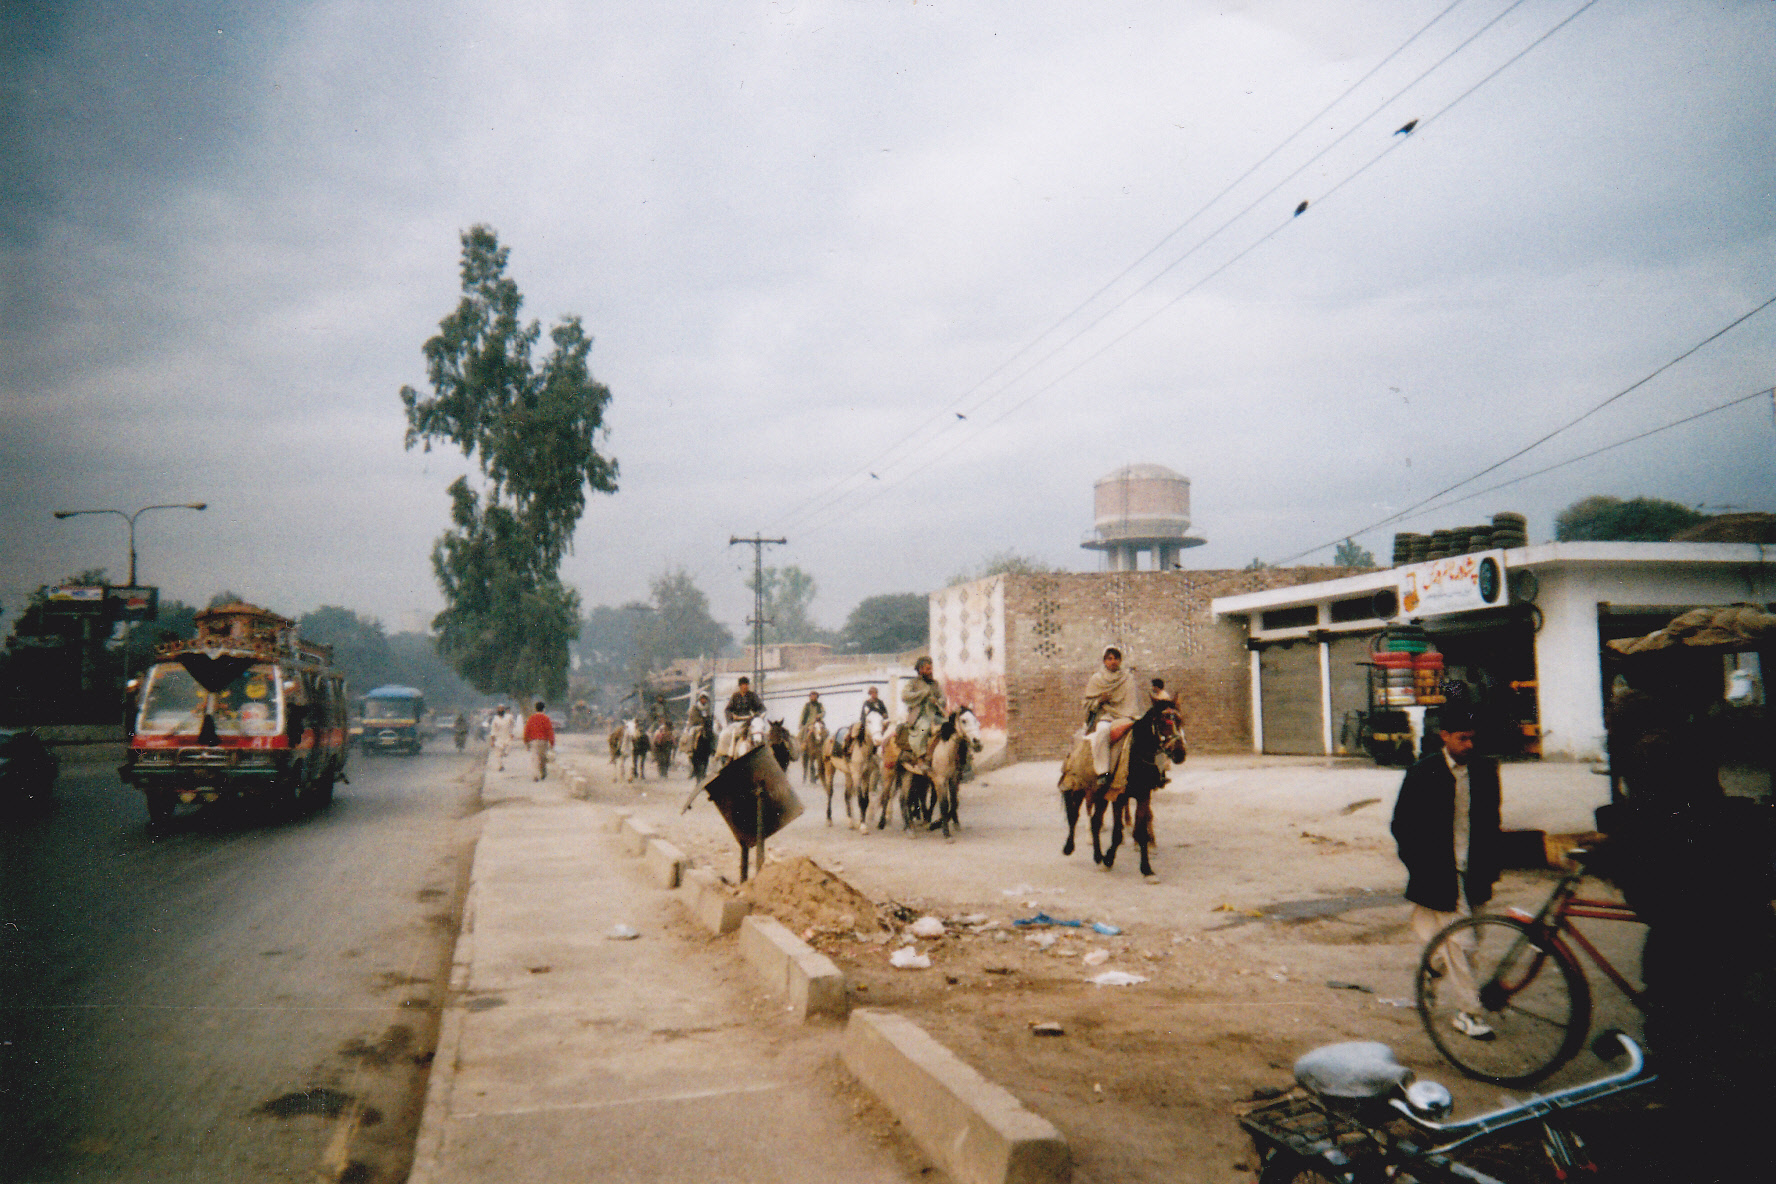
(239, 1000)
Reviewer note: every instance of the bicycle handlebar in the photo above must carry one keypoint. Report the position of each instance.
(1485, 1124)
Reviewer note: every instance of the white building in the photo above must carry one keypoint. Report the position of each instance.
(1534, 634)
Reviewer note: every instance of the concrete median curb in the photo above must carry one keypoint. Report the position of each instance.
(702, 895)
(790, 966)
(664, 862)
(975, 1129)
(636, 834)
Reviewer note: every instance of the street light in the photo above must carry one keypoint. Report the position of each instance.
(131, 519)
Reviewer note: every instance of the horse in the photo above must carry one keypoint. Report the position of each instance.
(863, 772)
(901, 782)
(1159, 731)
(616, 744)
(699, 744)
(752, 734)
(956, 738)
(661, 743)
(814, 738)
(782, 746)
(636, 744)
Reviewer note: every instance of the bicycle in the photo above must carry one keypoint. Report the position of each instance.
(1533, 992)
(1341, 1125)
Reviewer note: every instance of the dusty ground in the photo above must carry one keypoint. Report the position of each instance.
(1276, 878)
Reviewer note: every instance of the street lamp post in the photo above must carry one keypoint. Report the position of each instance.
(131, 519)
(129, 627)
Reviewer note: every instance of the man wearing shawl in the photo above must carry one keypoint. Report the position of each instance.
(1112, 697)
(925, 710)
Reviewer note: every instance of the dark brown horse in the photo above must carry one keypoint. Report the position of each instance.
(1161, 730)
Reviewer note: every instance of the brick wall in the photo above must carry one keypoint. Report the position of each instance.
(1057, 625)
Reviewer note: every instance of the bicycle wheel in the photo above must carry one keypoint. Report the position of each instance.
(1532, 995)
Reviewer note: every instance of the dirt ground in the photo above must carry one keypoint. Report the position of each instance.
(1274, 926)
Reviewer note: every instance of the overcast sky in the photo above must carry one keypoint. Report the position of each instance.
(804, 232)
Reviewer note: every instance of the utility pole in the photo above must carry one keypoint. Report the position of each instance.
(758, 621)
(758, 544)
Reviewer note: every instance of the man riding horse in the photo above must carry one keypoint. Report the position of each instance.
(1114, 700)
(744, 706)
(925, 712)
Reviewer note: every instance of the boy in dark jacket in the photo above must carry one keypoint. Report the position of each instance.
(1446, 825)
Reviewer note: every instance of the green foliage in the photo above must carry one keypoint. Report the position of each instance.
(228, 596)
(789, 591)
(1257, 564)
(1351, 555)
(1007, 562)
(534, 431)
(360, 647)
(887, 624)
(679, 625)
(1609, 519)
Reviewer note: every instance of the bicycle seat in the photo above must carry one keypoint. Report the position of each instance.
(1356, 1069)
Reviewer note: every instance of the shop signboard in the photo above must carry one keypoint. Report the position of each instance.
(1459, 584)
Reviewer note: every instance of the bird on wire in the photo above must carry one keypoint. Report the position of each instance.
(1407, 130)
(1300, 209)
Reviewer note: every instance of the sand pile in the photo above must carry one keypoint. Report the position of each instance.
(803, 895)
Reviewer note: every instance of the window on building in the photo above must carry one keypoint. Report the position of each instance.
(1299, 617)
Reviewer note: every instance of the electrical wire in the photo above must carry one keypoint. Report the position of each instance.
(881, 458)
(837, 512)
(1495, 466)
(1467, 497)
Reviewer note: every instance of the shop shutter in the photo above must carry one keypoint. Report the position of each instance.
(1289, 686)
(1350, 689)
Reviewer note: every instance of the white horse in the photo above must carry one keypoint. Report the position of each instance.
(631, 735)
(740, 738)
(865, 767)
(959, 736)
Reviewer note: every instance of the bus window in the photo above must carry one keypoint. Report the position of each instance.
(248, 706)
(173, 704)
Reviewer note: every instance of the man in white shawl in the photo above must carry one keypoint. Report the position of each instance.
(1112, 696)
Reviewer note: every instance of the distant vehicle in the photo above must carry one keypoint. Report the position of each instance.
(390, 718)
(244, 709)
(27, 773)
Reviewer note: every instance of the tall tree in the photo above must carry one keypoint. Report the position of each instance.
(360, 647)
(1351, 555)
(887, 624)
(1602, 518)
(789, 593)
(679, 625)
(534, 429)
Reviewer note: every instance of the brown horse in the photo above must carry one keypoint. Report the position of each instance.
(782, 745)
(1161, 730)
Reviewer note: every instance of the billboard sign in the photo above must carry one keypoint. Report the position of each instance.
(133, 604)
(75, 599)
(1459, 584)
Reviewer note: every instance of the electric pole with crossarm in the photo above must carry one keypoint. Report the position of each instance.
(758, 544)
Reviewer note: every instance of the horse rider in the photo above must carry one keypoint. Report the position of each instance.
(700, 713)
(924, 701)
(743, 706)
(873, 702)
(812, 710)
(1112, 697)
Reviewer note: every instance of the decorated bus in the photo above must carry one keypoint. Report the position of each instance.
(390, 719)
(244, 709)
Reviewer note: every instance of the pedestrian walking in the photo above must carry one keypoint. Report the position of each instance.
(539, 737)
(1446, 826)
(499, 735)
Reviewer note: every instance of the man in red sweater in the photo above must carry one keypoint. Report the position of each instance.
(539, 737)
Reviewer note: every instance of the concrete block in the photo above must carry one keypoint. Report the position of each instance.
(663, 862)
(636, 833)
(790, 967)
(707, 902)
(817, 986)
(976, 1130)
(613, 822)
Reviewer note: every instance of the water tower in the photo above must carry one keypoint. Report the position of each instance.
(1141, 508)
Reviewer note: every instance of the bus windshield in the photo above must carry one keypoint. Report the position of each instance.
(384, 711)
(174, 704)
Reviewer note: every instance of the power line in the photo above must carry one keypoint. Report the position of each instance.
(837, 512)
(879, 460)
(1767, 391)
(1633, 386)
